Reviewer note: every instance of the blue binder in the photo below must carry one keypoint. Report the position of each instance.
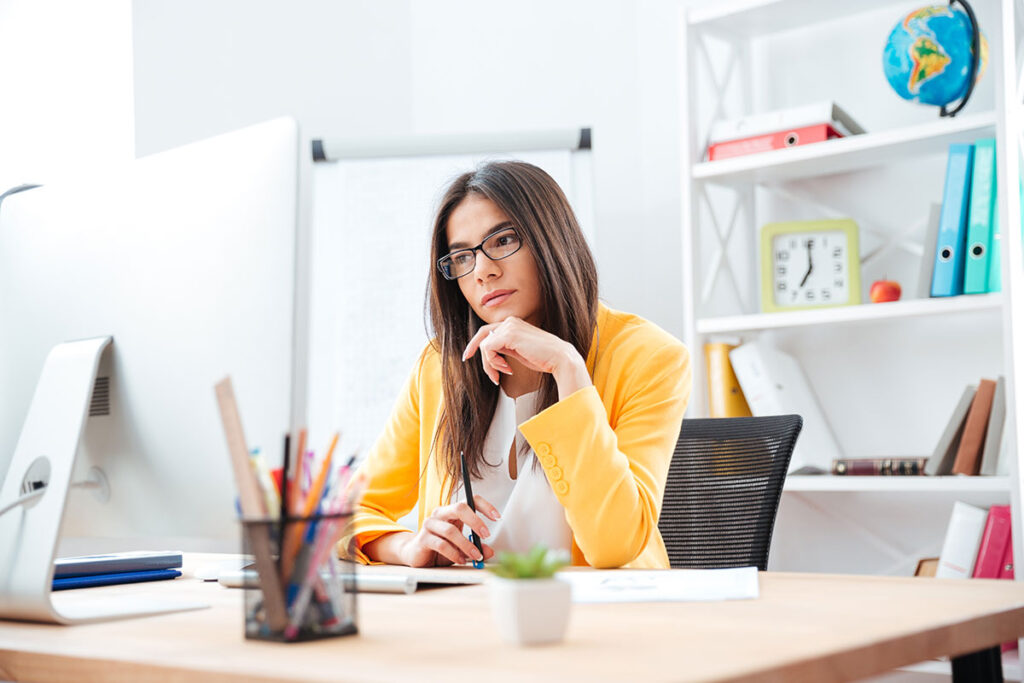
(948, 275)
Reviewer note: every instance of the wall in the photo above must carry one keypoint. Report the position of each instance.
(67, 88)
(400, 67)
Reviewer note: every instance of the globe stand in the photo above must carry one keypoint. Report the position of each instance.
(975, 60)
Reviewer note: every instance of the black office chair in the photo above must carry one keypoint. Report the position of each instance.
(723, 490)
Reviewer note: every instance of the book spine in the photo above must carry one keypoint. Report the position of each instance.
(879, 466)
(963, 537)
(968, 456)
(948, 277)
(979, 221)
(725, 397)
(791, 137)
(994, 539)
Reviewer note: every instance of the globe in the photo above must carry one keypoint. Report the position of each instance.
(928, 55)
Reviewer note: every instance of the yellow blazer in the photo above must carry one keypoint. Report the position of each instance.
(605, 449)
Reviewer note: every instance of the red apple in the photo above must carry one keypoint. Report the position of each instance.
(884, 290)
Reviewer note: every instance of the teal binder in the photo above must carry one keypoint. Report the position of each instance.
(948, 274)
(995, 266)
(980, 217)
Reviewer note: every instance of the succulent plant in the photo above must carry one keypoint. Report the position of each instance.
(538, 563)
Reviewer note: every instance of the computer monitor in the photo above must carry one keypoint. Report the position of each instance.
(187, 259)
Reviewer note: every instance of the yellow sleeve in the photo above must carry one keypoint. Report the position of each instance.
(392, 472)
(609, 471)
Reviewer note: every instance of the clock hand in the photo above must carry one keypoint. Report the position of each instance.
(810, 266)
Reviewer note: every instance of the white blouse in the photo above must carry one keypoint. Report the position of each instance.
(530, 512)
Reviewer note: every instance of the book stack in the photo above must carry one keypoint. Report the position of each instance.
(766, 131)
(879, 466)
(962, 243)
(972, 439)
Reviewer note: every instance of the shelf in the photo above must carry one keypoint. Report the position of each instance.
(896, 484)
(754, 18)
(842, 155)
(850, 314)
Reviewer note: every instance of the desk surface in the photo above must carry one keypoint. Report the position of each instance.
(810, 627)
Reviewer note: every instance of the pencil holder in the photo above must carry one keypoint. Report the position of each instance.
(304, 592)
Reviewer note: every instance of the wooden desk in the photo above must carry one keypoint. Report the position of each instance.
(804, 627)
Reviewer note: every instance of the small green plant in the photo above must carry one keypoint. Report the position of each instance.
(538, 563)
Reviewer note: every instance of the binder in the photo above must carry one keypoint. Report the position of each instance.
(774, 384)
(969, 454)
(995, 264)
(941, 462)
(994, 435)
(963, 538)
(994, 542)
(931, 238)
(948, 278)
(980, 217)
(725, 397)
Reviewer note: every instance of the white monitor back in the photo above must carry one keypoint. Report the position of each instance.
(187, 258)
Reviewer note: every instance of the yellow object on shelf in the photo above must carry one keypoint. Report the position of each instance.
(725, 397)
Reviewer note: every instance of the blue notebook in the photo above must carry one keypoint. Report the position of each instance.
(67, 582)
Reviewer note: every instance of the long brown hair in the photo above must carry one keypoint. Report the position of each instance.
(538, 209)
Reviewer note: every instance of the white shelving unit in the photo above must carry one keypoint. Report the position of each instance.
(927, 350)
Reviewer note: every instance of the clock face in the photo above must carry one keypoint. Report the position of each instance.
(810, 269)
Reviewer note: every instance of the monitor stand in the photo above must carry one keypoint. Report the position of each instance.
(45, 458)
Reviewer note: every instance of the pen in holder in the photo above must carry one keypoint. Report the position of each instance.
(305, 591)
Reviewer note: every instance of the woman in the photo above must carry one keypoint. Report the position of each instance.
(565, 410)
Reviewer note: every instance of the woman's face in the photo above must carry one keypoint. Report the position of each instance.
(494, 289)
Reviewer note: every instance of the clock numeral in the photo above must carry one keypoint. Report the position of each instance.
(839, 282)
(793, 244)
(782, 256)
(781, 286)
(810, 243)
(838, 267)
(810, 295)
(837, 252)
(795, 295)
(826, 295)
(781, 270)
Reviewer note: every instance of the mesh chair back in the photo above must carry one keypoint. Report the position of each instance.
(723, 490)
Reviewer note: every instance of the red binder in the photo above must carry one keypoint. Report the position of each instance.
(764, 143)
(995, 541)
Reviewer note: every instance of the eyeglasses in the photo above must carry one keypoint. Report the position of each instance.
(500, 244)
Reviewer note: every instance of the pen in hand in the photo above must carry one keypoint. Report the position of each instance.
(468, 488)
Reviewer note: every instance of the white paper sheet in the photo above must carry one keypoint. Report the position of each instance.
(662, 585)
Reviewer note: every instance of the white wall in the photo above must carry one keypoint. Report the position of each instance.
(399, 67)
(67, 88)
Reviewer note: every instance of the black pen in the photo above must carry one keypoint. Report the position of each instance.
(468, 488)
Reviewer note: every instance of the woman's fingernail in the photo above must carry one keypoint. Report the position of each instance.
(486, 533)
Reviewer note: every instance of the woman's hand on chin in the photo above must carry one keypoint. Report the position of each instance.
(533, 347)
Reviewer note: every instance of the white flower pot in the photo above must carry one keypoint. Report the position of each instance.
(531, 611)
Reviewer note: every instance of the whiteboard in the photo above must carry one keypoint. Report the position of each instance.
(370, 241)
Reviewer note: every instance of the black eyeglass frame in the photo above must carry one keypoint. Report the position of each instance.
(479, 247)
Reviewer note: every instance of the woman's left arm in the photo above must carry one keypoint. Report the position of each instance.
(608, 465)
